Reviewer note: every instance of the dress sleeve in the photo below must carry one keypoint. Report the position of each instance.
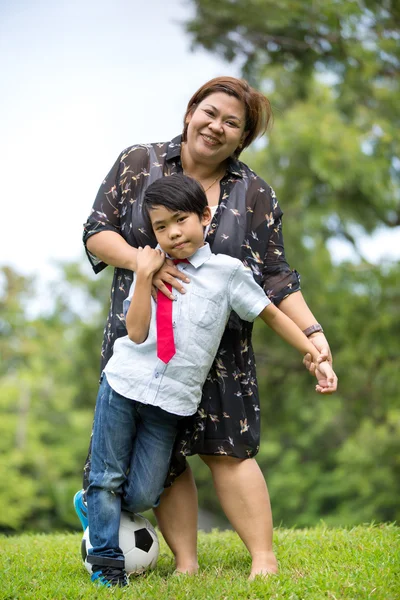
(105, 215)
(278, 279)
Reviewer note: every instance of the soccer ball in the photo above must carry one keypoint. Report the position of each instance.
(138, 541)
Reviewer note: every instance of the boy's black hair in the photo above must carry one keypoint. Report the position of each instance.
(175, 192)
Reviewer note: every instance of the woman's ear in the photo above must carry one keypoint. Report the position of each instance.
(243, 139)
(189, 116)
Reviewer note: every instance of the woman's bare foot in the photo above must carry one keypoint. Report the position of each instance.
(263, 565)
(186, 568)
(192, 571)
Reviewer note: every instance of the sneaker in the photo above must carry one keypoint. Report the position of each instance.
(81, 508)
(109, 576)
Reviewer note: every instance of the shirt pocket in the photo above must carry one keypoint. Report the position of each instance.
(204, 308)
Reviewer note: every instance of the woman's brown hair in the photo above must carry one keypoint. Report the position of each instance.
(257, 106)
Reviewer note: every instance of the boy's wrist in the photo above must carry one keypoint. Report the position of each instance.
(143, 274)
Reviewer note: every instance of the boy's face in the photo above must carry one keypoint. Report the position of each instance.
(179, 233)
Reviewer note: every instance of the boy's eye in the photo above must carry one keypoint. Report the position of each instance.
(160, 227)
(180, 219)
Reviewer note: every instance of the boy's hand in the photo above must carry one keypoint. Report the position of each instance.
(327, 380)
(149, 260)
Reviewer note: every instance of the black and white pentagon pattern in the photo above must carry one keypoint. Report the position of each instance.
(143, 539)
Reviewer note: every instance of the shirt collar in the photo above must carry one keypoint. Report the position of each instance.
(174, 151)
(202, 255)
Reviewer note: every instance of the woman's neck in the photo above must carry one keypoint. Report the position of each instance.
(200, 170)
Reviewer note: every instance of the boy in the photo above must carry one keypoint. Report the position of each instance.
(157, 371)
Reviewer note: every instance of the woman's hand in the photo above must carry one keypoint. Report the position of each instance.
(326, 378)
(168, 273)
(321, 343)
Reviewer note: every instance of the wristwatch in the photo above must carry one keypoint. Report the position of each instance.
(316, 328)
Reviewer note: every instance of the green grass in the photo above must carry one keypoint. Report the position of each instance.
(336, 564)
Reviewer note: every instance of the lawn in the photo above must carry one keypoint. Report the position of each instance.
(338, 564)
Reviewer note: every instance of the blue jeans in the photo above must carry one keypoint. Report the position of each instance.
(131, 450)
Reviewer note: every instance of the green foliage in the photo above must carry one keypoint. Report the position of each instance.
(48, 362)
(356, 41)
(337, 457)
(331, 71)
(316, 563)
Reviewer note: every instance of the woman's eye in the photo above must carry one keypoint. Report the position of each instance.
(232, 124)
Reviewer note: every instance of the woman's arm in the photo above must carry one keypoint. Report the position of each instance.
(295, 307)
(104, 221)
(106, 246)
(111, 248)
(288, 330)
(281, 284)
(292, 334)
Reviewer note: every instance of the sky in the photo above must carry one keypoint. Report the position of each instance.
(81, 80)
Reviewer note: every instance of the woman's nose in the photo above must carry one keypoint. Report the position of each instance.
(215, 125)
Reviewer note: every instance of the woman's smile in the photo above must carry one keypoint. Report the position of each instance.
(211, 141)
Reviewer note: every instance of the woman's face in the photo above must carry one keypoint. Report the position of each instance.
(216, 128)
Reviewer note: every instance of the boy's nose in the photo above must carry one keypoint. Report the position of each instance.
(174, 233)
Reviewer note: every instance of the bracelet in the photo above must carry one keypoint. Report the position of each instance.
(316, 328)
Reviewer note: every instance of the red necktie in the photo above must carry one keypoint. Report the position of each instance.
(165, 332)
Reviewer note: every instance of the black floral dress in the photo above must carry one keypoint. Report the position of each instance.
(246, 225)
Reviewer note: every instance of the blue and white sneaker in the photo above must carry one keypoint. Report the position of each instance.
(109, 576)
(108, 572)
(81, 508)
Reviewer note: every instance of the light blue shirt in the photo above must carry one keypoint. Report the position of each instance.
(218, 285)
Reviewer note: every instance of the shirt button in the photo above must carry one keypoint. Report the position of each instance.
(156, 375)
(174, 324)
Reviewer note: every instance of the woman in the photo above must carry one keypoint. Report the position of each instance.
(223, 117)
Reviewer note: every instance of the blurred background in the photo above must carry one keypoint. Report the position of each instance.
(83, 80)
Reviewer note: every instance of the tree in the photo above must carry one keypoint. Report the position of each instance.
(48, 385)
(331, 72)
(346, 129)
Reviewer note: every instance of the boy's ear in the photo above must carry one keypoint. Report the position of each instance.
(206, 218)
